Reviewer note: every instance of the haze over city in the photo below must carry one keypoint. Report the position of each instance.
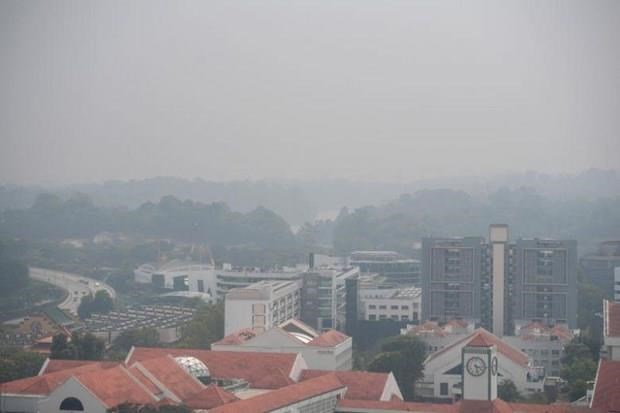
(366, 90)
(325, 206)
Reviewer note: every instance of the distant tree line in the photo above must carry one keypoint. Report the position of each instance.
(51, 217)
(398, 224)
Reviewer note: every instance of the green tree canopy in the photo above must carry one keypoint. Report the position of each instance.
(100, 303)
(206, 327)
(80, 347)
(16, 363)
(403, 356)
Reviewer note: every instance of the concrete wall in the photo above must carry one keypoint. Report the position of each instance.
(71, 388)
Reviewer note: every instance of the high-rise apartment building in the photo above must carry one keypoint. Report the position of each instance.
(499, 283)
(451, 278)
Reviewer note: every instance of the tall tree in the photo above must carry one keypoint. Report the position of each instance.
(16, 363)
(206, 327)
(403, 356)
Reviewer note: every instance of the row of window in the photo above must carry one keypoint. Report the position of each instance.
(374, 317)
(392, 307)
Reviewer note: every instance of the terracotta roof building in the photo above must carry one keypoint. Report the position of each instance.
(611, 329)
(331, 350)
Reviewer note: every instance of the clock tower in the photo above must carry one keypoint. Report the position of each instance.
(479, 358)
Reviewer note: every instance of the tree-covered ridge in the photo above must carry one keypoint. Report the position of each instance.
(442, 212)
(50, 217)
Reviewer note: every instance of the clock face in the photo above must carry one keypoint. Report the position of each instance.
(476, 366)
(494, 366)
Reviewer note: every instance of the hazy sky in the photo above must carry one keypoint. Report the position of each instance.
(381, 90)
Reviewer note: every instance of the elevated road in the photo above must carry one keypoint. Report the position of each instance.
(75, 285)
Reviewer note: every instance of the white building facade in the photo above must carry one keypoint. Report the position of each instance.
(391, 304)
(261, 305)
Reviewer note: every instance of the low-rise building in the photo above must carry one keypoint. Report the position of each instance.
(543, 344)
(397, 269)
(331, 350)
(402, 304)
(261, 306)
(166, 319)
(611, 330)
(437, 336)
(443, 369)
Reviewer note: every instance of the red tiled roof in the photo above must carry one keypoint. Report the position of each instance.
(348, 405)
(283, 397)
(169, 373)
(250, 366)
(361, 385)
(607, 386)
(550, 408)
(330, 338)
(115, 386)
(54, 365)
(238, 337)
(46, 383)
(480, 336)
(428, 327)
(480, 341)
(209, 397)
(612, 318)
(152, 387)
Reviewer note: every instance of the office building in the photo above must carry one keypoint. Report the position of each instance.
(401, 304)
(599, 267)
(261, 306)
(324, 296)
(395, 268)
(617, 284)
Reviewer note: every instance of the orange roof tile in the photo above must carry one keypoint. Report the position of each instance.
(209, 397)
(46, 383)
(250, 366)
(54, 365)
(607, 386)
(507, 350)
(142, 378)
(348, 405)
(115, 386)
(330, 338)
(484, 406)
(361, 385)
(238, 337)
(283, 397)
(169, 373)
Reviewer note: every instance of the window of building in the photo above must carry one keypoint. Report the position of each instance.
(71, 403)
(394, 307)
(372, 307)
(382, 307)
(394, 317)
(443, 389)
(382, 317)
(201, 286)
(415, 315)
(404, 307)
(555, 352)
(372, 317)
(405, 318)
(544, 352)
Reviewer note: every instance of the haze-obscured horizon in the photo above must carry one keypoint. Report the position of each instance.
(376, 91)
